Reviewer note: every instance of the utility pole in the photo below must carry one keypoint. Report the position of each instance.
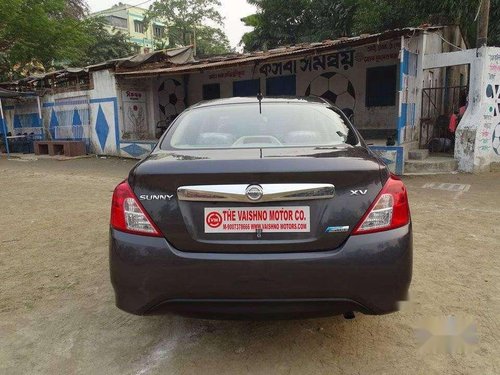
(194, 39)
(482, 24)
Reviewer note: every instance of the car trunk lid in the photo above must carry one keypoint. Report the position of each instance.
(172, 186)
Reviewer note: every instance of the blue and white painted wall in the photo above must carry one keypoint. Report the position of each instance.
(407, 129)
(91, 115)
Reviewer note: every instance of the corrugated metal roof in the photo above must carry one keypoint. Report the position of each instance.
(7, 94)
(181, 55)
(295, 51)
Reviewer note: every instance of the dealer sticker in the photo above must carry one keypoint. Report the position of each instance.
(251, 219)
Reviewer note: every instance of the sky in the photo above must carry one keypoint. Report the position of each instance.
(231, 10)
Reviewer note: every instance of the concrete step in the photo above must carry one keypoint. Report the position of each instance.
(418, 154)
(433, 164)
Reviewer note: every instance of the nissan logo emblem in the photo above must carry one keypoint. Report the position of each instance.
(254, 192)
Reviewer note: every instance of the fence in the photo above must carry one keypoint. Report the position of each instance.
(438, 103)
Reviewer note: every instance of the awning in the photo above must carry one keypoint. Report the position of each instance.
(181, 55)
(7, 94)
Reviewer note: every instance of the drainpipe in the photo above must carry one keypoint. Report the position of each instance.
(424, 47)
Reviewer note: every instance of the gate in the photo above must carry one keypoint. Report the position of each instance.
(438, 103)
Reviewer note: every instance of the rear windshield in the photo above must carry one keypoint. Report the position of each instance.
(244, 126)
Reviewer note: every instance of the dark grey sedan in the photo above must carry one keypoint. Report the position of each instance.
(261, 208)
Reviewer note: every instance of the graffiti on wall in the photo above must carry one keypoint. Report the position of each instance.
(231, 74)
(379, 52)
(171, 99)
(344, 59)
(493, 93)
(494, 66)
(134, 110)
(489, 135)
(485, 134)
(493, 111)
(496, 139)
(336, 88)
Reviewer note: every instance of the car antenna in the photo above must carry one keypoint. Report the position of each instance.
(259, 98)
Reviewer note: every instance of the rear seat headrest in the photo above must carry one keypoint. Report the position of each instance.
(215, 139)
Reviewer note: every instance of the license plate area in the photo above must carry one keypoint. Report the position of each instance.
(296, 219)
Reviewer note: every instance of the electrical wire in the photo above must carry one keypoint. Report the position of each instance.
(478, 10)
(450, 43)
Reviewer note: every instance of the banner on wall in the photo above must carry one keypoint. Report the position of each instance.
(70, 118)
(135, 113)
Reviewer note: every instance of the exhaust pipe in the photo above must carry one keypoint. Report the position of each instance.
(349, 315)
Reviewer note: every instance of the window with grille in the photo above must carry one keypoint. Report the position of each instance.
(139, 27)
(158, 31)
(381, 86)
(117, 21)
(211, 91)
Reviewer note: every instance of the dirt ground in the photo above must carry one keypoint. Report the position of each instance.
(57, 313)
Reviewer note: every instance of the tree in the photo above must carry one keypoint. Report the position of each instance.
(39, 33)
(76, 9)
(330, 19)
(192, 20)
(380, 15)
(211, 41)
(253, 40)
(281, 22)
(103, 44)
(277, 22)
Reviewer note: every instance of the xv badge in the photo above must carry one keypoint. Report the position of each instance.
(359, 192)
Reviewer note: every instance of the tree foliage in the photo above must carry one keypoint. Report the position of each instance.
(76, 9)
(282, 22)
(190, 19)
(278, 22)
(40, 35)
(211, 41)
(37, 33)
(103, 44)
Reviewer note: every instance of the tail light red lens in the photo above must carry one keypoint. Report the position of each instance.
(128, 215)
(390, 210)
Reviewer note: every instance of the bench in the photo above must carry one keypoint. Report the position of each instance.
(66, 148)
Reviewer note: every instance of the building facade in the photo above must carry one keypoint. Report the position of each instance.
(387, 83)
(377, 80)
(129, 20)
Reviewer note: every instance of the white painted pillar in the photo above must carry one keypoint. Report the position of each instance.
(4, 129)
(419, 82)
(39, 105)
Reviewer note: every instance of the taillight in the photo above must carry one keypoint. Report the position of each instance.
(128, 215)
(390, 210)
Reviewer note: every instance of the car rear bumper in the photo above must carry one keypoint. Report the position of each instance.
(369, 273)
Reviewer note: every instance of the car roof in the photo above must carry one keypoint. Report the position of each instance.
(265, 100)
